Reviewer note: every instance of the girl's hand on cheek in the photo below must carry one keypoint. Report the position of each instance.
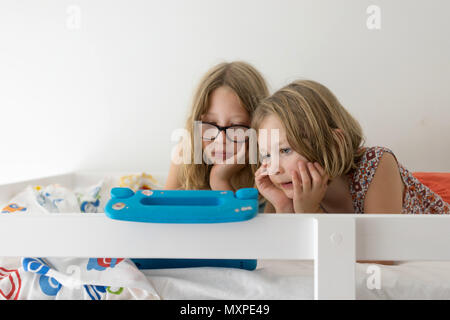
(224, 171)
(221, 173)
(268, 190)
(310, 186)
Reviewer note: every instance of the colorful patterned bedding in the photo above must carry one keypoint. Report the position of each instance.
(70, 278)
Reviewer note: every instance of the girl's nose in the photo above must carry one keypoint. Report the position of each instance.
(221, 138)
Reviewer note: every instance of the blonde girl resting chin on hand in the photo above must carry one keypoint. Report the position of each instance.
(320, 164)
(222, 108)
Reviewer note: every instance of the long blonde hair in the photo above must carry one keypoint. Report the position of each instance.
(317, 125)
(250, 87)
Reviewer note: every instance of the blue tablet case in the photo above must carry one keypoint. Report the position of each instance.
(184, 206)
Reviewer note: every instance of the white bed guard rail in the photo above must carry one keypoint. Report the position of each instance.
(334, 241)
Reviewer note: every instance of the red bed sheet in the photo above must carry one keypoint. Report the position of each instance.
(439, 182)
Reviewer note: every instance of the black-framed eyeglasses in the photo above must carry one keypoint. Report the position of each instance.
(235, 133)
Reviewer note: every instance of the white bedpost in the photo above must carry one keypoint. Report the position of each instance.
(334, 257)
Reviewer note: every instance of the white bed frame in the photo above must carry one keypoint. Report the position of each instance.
(333, 241)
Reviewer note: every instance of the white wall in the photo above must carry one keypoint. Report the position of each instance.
(100, 85)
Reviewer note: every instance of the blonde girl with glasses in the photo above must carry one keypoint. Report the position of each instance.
(218, 122)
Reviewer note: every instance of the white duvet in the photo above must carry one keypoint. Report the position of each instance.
(271, 280)
(294, 280)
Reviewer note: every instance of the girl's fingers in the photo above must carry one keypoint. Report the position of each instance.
(264, 172)
(261, 171)
(296, 183)
(306, 179)
(259, 179)
(263, 181)
(316, 177)
(322, 172)
(319, 168)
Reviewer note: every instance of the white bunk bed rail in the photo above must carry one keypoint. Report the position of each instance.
(334, 241)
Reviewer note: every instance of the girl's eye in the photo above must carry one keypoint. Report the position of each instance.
(285, 150)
